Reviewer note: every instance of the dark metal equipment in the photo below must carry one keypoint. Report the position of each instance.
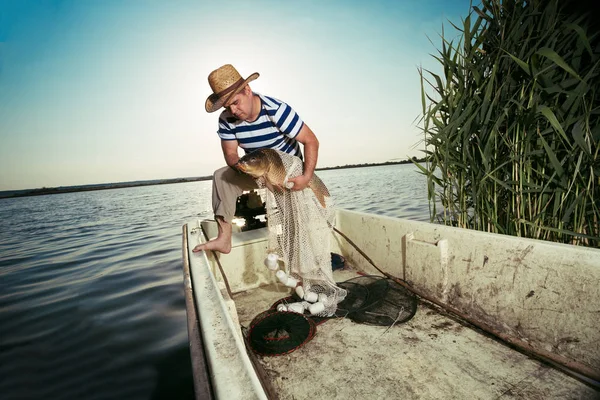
(250, 207)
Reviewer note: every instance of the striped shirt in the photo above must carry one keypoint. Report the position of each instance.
(275, 128)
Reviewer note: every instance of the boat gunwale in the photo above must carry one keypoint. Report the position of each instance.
(201, 378)
(214, 315)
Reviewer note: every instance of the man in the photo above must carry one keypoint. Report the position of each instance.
(250, 121)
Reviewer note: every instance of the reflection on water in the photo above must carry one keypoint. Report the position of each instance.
(91, 285)
(392, 190)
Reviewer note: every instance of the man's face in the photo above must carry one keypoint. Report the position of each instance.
(240, 105)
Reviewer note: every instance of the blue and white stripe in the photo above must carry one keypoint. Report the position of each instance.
(275, 128)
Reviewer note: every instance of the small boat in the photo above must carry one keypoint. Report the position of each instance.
(498, 317)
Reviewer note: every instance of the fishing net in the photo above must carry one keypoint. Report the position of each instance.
(369, 299)
(300, 225)
(377, 300)
(273, 333)
(294, 299)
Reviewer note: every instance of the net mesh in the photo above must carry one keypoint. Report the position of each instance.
(300, 225)
(376, 300)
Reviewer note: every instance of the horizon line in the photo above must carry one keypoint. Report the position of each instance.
(146, 182)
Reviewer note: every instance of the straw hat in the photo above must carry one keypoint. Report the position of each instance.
(225, 83)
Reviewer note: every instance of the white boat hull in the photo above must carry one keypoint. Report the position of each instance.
(539, 296)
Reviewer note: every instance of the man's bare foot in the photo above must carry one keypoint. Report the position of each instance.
(222, 246)
(222, 243)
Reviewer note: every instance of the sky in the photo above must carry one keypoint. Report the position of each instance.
(101, 91)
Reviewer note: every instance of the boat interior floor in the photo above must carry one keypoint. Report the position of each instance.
(431, 356)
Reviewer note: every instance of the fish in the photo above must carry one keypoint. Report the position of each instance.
(266, 164)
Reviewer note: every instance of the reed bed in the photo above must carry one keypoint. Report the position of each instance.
(511, 125)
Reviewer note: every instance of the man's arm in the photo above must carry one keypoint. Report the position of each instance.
(230, 152)
(311, 154)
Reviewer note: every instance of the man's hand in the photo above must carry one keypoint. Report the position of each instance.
(300, 182)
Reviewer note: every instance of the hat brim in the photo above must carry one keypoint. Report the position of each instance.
(214, 101)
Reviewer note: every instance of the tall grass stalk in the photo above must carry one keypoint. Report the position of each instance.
(512, 124)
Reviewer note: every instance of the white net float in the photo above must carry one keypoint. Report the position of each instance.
(271, 261)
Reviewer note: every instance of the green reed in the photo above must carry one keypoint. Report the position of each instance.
(511, 125)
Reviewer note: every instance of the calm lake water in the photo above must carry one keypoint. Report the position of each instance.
(91, 283)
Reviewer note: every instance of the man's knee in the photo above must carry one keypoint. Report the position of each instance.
(232, 177)
(218, 174)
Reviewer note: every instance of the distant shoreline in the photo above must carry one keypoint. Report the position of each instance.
(120, 185)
